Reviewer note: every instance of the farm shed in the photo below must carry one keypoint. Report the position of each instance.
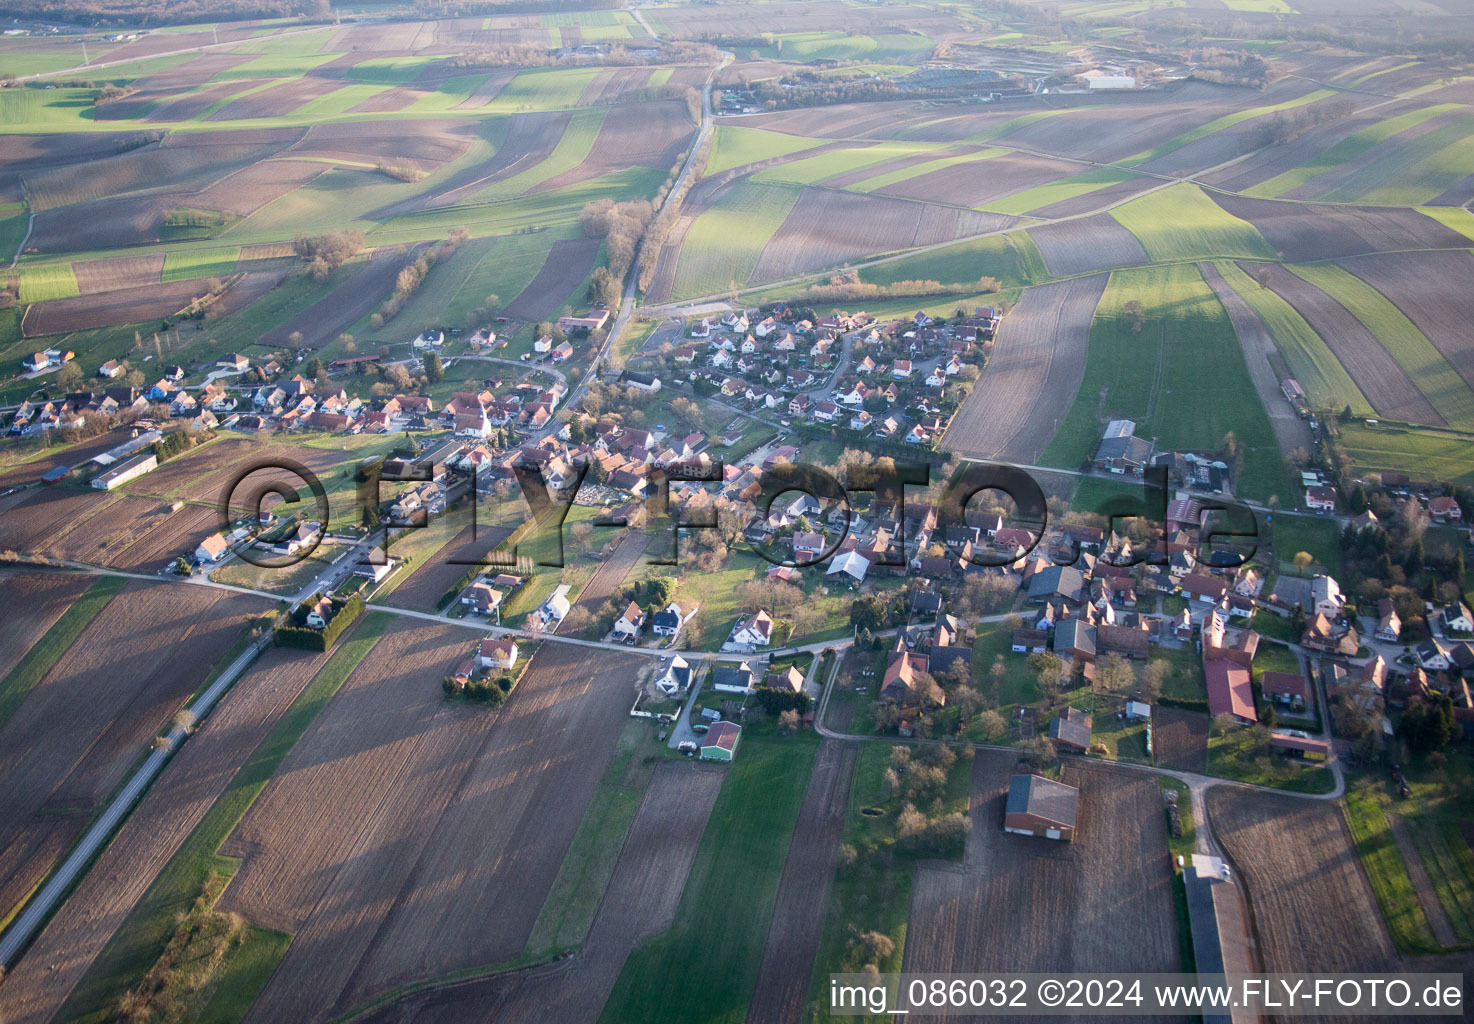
(1219, 942)
(130, 469)
(1301, 747)
(1072, 730)
(720, 742)
(1041, 807)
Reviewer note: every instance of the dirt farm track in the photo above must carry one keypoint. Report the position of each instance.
(401, 824)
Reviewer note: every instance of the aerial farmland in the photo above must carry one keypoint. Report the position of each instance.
(655, 511)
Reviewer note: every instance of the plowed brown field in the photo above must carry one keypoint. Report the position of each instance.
(85, 723)
(33, 600)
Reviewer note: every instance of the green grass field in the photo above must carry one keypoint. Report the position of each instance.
(1414, 173)
(1182, 378)
(183, 264)
(705, 966)
(813, 170)
(1422, 453)
(724, 244)
(1321, 538)
(1347, 149)
(735, 147)
(141, 937)
(1388, 874)
(572, 149)
(1014, 259)
(542, 89)
(1315, 366)
(42, 281)
(1058, 191)
(1182, 223)
(1456, 218)
(1433, 375)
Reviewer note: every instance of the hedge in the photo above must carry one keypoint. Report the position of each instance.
(321, 639)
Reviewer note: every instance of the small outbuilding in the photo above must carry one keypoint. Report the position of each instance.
(720, 742)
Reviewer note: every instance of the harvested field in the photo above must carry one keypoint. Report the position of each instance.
(1301, 233)
(28, 527)
(114, 274)
(177, 534)
(35, 600)
(973, 183)
(38, 985)
(841, 121)
(247, 190)
(664, 278)
(613, 86)
(529, 140)
(432, 143)
(1035, 372)
(1080, 246)
(189, 106)
(632, 135)
(1180, 739)
(1096, 200)
(1418, 284)
(174, 477)
(72, 740)
(803, 891)
(277, 100)
(141, 304)
(1327, 921)
(1385, 384)
(1062, 905)
(827, 227)
(105, 529)
(640, 902)
(402, 823)
(487, 90)
(331, 315)
(569, 262)
(428, 583)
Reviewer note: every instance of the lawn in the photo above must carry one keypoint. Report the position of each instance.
(284, 580)
(32, 668)
(1321, 538)
(144, 932)
(589, 864)
(183, 264)
(1346, 150)
(1237, 754)
(736, 147)
(1310, 359)
(701, 969)
(1181, 379)
(1421, 452)
(1427, 367)
(1182, 223)
(42, 281)
(724, 244)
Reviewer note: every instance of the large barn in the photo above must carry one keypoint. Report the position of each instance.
(1041, 807)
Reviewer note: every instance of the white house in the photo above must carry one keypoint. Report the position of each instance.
(212, 549)
(432, 338)
(667, 622)
(556, 606)
(675, 678)
(320, 615)
(756, 630)
(500, 654)
(629, 624)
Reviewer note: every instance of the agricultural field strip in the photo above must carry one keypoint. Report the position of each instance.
(1445, 390)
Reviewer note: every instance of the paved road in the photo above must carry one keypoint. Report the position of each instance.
(45, 901)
